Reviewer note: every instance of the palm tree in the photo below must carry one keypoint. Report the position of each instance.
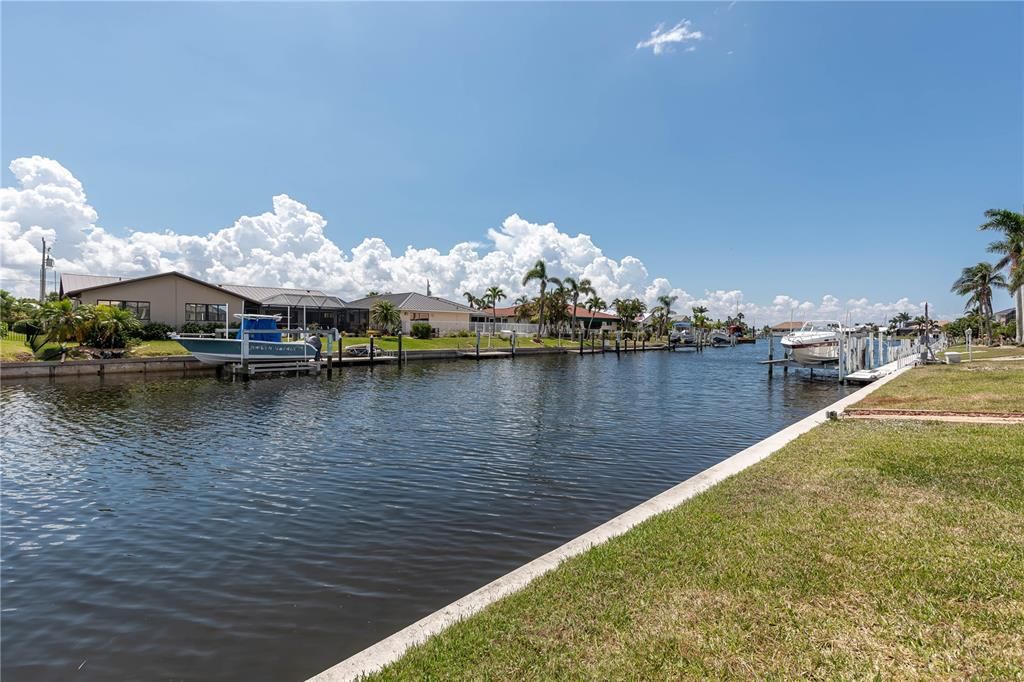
(470, 298)
(667, 302)
(1011, 247)
(61, 322)
(522, 300)
(385, 316)
(539, 273)
(977, 282)
(492, 296)
(112, 327)
(594, 304)
(577, 288)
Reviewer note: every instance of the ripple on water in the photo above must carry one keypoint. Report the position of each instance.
(204, 529)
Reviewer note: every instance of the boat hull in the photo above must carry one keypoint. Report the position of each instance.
(820, 353)
(220, 351)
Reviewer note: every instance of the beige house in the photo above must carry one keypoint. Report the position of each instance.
(442, 315)
(170, 297)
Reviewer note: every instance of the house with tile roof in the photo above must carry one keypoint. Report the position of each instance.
(444, 317)
(509, 318)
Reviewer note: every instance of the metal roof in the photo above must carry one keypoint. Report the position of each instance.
(282, 295)
(97, 281)
(415, 303)
(304, 300)
(73, 282)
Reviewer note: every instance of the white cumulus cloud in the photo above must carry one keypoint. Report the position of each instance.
(661, 40)
(288, 246)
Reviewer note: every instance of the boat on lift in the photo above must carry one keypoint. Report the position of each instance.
(719, 338)
(815, 344)
(681, 335)
(262, 342)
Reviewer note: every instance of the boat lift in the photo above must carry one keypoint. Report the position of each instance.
(248, 368)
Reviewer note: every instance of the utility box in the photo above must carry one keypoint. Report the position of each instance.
(953, 358)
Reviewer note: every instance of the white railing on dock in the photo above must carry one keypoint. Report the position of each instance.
(860, 352)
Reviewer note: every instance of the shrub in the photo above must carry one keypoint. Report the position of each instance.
(155, 331)
(191, 328)
(421, 330)
(3, 330)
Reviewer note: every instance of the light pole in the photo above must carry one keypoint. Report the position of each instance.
(46, 262)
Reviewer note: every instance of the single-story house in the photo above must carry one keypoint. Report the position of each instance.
(783, 328)
(442, 315)
(177, 299)
(508, 318)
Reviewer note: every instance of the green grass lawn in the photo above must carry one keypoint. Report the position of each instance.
(983, 353)
(149, 349)
(15, 350)
(995, 386)
(456, 342)
(864, 549)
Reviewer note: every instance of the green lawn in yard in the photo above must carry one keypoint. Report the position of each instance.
(458, 342)
(993, 386)
(149, 349)
(861, 550)
(15, 350)
(985, 353)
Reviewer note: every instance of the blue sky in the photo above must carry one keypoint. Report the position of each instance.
(801, 148)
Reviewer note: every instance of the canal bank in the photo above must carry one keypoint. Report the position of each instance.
(858, 549)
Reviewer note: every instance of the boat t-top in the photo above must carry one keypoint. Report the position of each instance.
(261, 341)
(816, 343)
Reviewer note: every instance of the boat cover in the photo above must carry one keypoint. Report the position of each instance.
(269, 324)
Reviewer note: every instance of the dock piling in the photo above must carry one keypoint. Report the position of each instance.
(371, 350)
(400, 347)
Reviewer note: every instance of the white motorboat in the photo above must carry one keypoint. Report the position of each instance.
(720, 338)
(681, 335)
(816, 343)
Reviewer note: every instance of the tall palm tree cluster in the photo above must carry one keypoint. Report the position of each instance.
(978, 282)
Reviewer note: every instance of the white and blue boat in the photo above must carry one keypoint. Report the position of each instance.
(257, 339)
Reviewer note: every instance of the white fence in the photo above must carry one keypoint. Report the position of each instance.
(446, 328)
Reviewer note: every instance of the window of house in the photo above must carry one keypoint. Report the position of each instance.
(140, 309)
(419, 316)
(205, 312)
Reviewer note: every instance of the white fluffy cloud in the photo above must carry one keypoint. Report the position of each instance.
(288, 246)
(661, 41)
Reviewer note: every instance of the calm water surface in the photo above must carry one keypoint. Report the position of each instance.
(200, 529)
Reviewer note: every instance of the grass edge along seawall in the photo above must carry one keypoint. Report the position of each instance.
(392, 648)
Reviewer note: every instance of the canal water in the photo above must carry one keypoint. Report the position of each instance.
(202, 529)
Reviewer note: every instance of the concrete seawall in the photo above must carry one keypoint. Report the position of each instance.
(390, 649)
(88, 368)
